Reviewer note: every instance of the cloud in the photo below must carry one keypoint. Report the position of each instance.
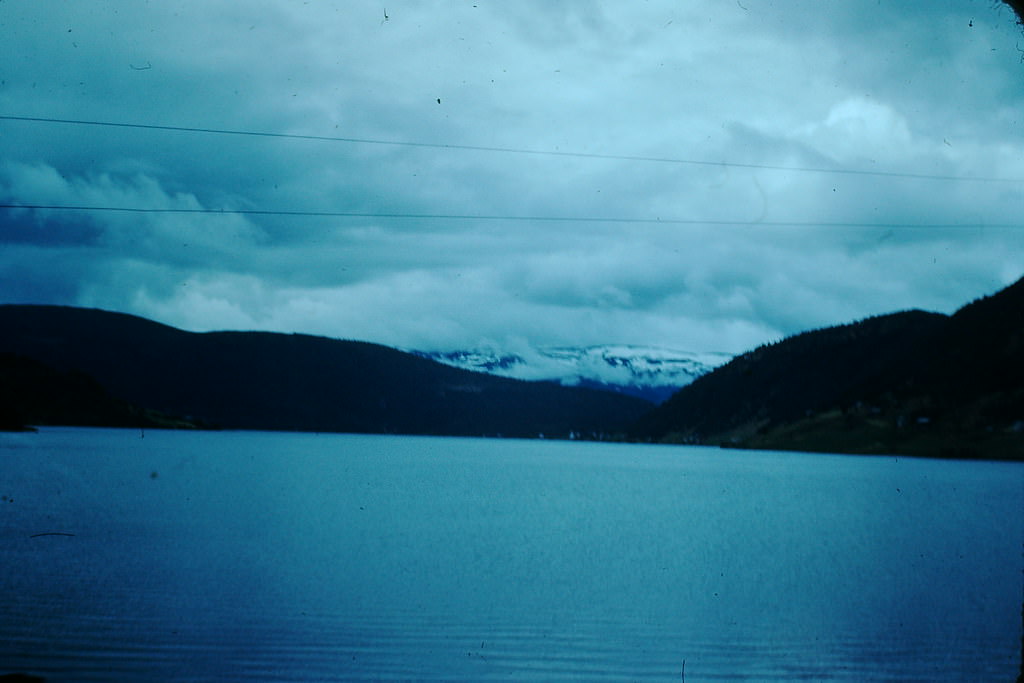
(857, 131)
(164, 237)
(909, 88)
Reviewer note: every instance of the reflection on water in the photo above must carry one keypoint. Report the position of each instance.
(240, 556)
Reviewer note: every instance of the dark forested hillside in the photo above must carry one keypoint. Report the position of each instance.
(32, 393)
(912, 382)
(257, 380)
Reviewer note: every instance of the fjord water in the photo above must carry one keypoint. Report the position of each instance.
(301, 557)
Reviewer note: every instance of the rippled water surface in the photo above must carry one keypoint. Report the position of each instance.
(300, 557)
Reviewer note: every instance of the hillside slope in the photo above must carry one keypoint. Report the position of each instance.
(910, 383)
(32, 393)
(259, 380)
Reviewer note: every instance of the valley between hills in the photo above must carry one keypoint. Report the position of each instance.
(905, 383)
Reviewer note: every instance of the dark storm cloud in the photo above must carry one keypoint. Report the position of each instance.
(922, 88)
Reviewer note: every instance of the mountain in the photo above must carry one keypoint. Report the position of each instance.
(261, 380)
(912, 383)
(650, 373)
(32, 393)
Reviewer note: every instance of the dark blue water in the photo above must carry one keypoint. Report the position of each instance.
(297, 557)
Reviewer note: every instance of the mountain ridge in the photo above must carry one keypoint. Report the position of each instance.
(648, 372)
(910, 382)
(275, 381)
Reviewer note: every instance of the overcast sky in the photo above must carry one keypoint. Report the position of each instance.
(724, 254)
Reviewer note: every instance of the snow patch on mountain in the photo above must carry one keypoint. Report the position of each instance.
(649, 372)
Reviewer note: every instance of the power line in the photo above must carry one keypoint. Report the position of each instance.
(495, 217)
(509, 150)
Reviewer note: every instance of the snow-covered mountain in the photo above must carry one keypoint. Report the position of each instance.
(648, 372)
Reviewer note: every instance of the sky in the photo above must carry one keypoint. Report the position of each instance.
(705, 175)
